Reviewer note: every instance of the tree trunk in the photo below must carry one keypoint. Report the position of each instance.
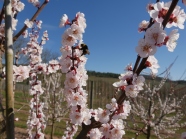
(52, 130)
(148, 132)
(9, 71)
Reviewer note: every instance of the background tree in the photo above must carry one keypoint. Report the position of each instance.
(48, 55)
(157, 110)
(55, 107)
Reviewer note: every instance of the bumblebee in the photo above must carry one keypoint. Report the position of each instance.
(84, 48)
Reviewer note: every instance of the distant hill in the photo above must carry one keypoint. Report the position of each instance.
(102, 74)
(113, 75)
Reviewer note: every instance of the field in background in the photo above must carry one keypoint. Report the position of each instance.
(102, 92)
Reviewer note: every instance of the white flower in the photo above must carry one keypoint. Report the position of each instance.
(38, 23)
(63, 21)
(102, 115)
(120, 83)
(25, 34)
(71, 80)
(117, 133)
(81, 21)
(53, 66)
(105, 129)
(82, 73)
(35, 59)
(68, 39)
(28, 23)
(20, 6)
(34, 120)
(76, 99)
(41, 68)
(159, 12)
(65, 64)
(76, 118)
(113, 105)
(87, 116)
(125, 76)
(153, 65)
(131, 91)
(38, 88)
(128, 67)
(143, 25)
(76, 31)
(155, 35)
(39, 135)
(13, 3)
(21, 73)
(66, 51)
(95, 134)
(139, 81)
(14, 23)
(123, 111)
(150, 7)
(32, 92)
(171, 40)
(177, 19)
(45, 35)
(118, 123)
(34, 2)
(127, 106)
(144, 49)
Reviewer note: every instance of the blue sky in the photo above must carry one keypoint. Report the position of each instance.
(111, 32)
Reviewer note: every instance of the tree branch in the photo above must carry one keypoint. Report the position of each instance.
(32, 19)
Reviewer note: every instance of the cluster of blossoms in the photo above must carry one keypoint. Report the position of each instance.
(36, 119)
(155, 35)
(130, 82)
(159, 10)
(112, 120)
(73, 64)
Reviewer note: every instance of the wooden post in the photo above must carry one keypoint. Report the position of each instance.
(9, 71)
(91, 94)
